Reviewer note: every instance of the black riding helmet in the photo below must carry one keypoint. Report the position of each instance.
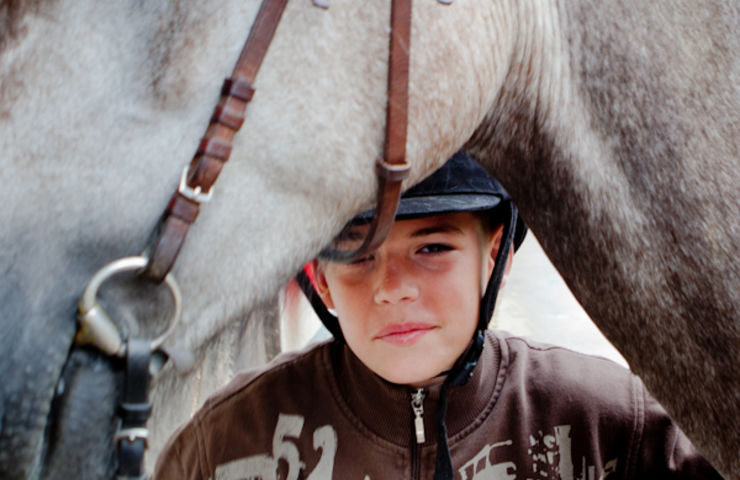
(460, 185)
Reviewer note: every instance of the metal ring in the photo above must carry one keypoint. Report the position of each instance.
(88, 299)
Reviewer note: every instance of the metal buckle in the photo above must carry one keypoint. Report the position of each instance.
(132, 434)
(194, 194)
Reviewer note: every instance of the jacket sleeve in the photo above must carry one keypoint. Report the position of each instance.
(664, 451)
(180, 457)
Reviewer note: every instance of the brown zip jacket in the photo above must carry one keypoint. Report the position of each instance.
(530, 411)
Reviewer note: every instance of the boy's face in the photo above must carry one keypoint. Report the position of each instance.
(409, 309)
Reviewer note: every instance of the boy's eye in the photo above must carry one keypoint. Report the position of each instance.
(361, 260)
(435, 248)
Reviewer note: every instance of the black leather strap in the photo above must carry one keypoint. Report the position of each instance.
(463, 369)
(134, 410)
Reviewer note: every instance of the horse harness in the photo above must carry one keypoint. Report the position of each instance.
(95, 327)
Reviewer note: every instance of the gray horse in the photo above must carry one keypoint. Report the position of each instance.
(614, 125)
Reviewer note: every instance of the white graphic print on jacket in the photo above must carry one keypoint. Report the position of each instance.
(550, 456)
(264, 467)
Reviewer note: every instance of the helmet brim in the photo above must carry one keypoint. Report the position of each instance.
(426, 206)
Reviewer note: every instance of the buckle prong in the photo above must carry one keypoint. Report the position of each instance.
(195, 194)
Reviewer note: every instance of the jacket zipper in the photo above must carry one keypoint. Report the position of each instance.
(417, 407)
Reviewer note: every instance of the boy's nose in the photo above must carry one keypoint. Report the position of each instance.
(394, 285)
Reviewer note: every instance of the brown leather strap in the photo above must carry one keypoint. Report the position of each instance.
(215, 147)
(228, 116)
(393, 169)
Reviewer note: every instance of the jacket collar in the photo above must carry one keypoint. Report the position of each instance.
(383, 409)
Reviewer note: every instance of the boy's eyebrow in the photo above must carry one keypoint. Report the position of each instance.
(356, 233)
(439, 228)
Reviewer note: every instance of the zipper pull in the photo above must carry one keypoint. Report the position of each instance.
(417, 406)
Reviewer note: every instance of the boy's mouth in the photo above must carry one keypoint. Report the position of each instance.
(404, 333)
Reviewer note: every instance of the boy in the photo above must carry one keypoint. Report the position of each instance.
(414, 386)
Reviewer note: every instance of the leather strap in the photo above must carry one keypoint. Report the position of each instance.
(134, 410)
(215, 147)
(169, 235)
(393, 169)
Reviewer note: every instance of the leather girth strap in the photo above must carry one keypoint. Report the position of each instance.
(215, 147)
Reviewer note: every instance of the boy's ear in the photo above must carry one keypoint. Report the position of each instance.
(322, 288)
(509, 261)
(492, 251)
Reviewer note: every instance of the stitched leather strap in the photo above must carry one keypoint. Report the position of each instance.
(169, 235)
(393, 169)
(215, 147)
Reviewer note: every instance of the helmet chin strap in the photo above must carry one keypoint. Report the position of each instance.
(463, 368)
(330, 321)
